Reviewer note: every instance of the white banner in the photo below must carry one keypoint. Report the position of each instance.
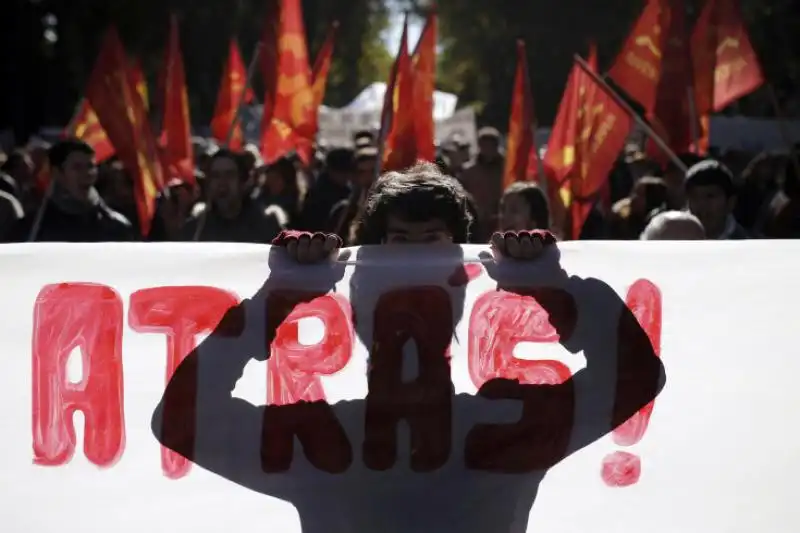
(337, 126)
(399, 439)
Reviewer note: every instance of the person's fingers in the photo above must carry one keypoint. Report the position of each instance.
(291, 248)
(316, 248)
(538, 243)
(499, 244)
(513, 245)
(304, 249)
(330, 245)
(526, 248)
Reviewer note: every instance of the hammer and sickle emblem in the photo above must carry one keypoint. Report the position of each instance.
(728, 42)
(645, 41)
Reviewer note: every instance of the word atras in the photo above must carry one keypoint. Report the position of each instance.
(90, 316)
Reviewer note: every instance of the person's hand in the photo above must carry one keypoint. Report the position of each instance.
(309, 248)
(521, 245)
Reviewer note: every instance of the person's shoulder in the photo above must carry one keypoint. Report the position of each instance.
(15, 206)
(276, 214)
(622, 208)
(115, 217)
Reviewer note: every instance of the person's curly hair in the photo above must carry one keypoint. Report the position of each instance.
(417, 194)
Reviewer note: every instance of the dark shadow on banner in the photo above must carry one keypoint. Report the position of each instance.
(412, 455)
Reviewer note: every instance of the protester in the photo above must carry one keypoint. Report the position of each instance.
(228, 214)
(419, 205)
(711, 197)
(524, 206)
(332, 186)
(673, 226)
(74, 211)
(483, 178)
(628, 216)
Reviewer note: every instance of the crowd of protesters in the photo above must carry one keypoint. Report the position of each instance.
(235, 197)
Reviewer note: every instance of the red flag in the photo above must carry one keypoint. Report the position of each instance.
(319, 74)
(397, 118)
(176, 137)
(725, 65)
(322, 65)
(637, 69)
(424, 66)
(87, 128)
(120, 109)
(139, 81)
(590, 130)
(520, 146)
(672, 115)
(269, 59)
(293, 122)
(231, 90)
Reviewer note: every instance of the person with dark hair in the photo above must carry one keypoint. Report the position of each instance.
(629, 216)
(711, 197)
(332, 186)
(19, 166)
(344, 213)
(228, 214)
(74, 211)
(483, 178)
(419, 205)
(281, 188)
(524, 206)
(399, 206)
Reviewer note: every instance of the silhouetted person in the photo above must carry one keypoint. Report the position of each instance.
(473, 463)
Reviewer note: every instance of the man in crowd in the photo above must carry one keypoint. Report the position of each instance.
(711, 197)
(483, 179)
(74, 211)
(229, 215)
(332, 186)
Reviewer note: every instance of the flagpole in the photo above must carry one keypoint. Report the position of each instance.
(248, 83)
(628, 109)
(539, 164)
(69, 132)
(693, 118)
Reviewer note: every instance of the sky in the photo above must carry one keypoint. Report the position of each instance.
(391, 37)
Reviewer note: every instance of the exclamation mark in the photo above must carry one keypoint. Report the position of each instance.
(621, 468)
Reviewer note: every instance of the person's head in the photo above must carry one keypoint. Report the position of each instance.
(115, 185)
(339, 163)
(710, 195)
(182, 194)
(38, 152)
(417, 205)
(648, 193)
(252, 157)
(488, 143)
(72, 166)
(281, 178)
(365, 160)
(226, 180)
(673, 226)
(524, 207)
(19, 166)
